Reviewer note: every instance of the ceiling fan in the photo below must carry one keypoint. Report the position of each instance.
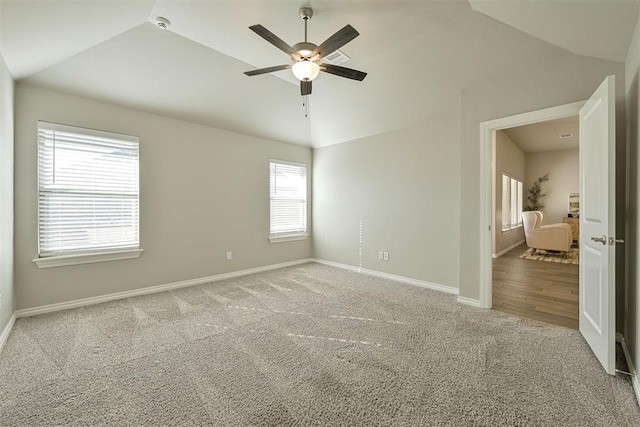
(307, 56)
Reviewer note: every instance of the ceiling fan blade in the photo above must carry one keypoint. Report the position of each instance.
(267, 70)
(343, 72)
(274, 40)
(335, 42)
(305, 87)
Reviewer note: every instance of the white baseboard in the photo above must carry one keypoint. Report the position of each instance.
(504, 251)
(402, 279)
(469, 301)
(634, 379)
(152, 289)
(7, 331)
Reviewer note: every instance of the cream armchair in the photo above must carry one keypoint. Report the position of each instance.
(554, 237)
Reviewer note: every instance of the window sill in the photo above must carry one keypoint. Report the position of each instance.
(288, 237)
(62, 260)
(509, 230)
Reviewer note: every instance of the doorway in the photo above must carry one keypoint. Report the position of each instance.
(536, 168)
(487, 201)
(598, 213)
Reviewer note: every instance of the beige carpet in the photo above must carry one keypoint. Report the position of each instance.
(303, 346)
(573, 256)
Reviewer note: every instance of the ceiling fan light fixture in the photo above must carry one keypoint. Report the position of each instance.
(305, 70)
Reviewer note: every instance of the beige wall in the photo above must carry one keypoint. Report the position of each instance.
(570, 79)
(563, 167)
(203, 192)
(400, 184)
(6, 195)
(632, 297)
(510, 160)
(395, 192)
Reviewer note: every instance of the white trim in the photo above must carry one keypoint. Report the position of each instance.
(634, 379)
(469, 301)
(402, 279)
(288, 237)
(152, 289)
(88, 131)
(504, 251)
(61, 260)
(486, 191)
(509, 230)
(287, 162)
(7, 331)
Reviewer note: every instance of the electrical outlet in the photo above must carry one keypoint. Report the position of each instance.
(386, 256)
(380, 255)
(229, 256)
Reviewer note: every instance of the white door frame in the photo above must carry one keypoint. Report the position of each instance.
(486, 182)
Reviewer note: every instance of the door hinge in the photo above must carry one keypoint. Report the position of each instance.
(489, 227)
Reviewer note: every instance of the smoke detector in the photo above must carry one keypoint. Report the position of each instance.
(162, 22)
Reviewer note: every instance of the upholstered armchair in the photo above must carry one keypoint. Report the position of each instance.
(554, 237)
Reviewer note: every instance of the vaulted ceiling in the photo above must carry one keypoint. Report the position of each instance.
(419, 55)
(552, 135)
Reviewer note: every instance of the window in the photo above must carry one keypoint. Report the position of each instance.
(511, 203)
(87, 192)
(288, 201)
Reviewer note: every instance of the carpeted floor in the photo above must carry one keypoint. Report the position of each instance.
(573, 256)
(306, 345)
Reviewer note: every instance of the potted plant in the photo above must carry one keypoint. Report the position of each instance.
(535, 194)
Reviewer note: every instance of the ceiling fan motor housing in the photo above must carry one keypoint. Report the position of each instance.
(304, 49)
(305, 13)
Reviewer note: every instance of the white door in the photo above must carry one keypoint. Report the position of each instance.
(597, 223)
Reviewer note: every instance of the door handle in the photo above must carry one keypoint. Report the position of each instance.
(612, 241)
(602, 239)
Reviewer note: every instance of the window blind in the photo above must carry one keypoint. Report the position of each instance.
(511, 202)
(88, 194)
(506, 202)
(288, 197)
(520, 201)
(514, 203)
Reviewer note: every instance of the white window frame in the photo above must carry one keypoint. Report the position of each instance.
(514, 207)
(56, 258)
(293, 234)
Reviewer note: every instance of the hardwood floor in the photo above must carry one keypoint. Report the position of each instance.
(545, 291)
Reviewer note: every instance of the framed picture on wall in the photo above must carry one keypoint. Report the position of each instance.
(574, 204)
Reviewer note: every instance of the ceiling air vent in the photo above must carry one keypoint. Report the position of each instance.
(336, 58)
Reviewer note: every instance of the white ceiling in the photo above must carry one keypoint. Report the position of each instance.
(419, 55)
(545, 136)
(599, 28)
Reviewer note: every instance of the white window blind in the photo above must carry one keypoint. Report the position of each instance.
(511, 203)
(288, 195)
(520, 201)
(87, 190)
(506, 202)
(514, 203)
